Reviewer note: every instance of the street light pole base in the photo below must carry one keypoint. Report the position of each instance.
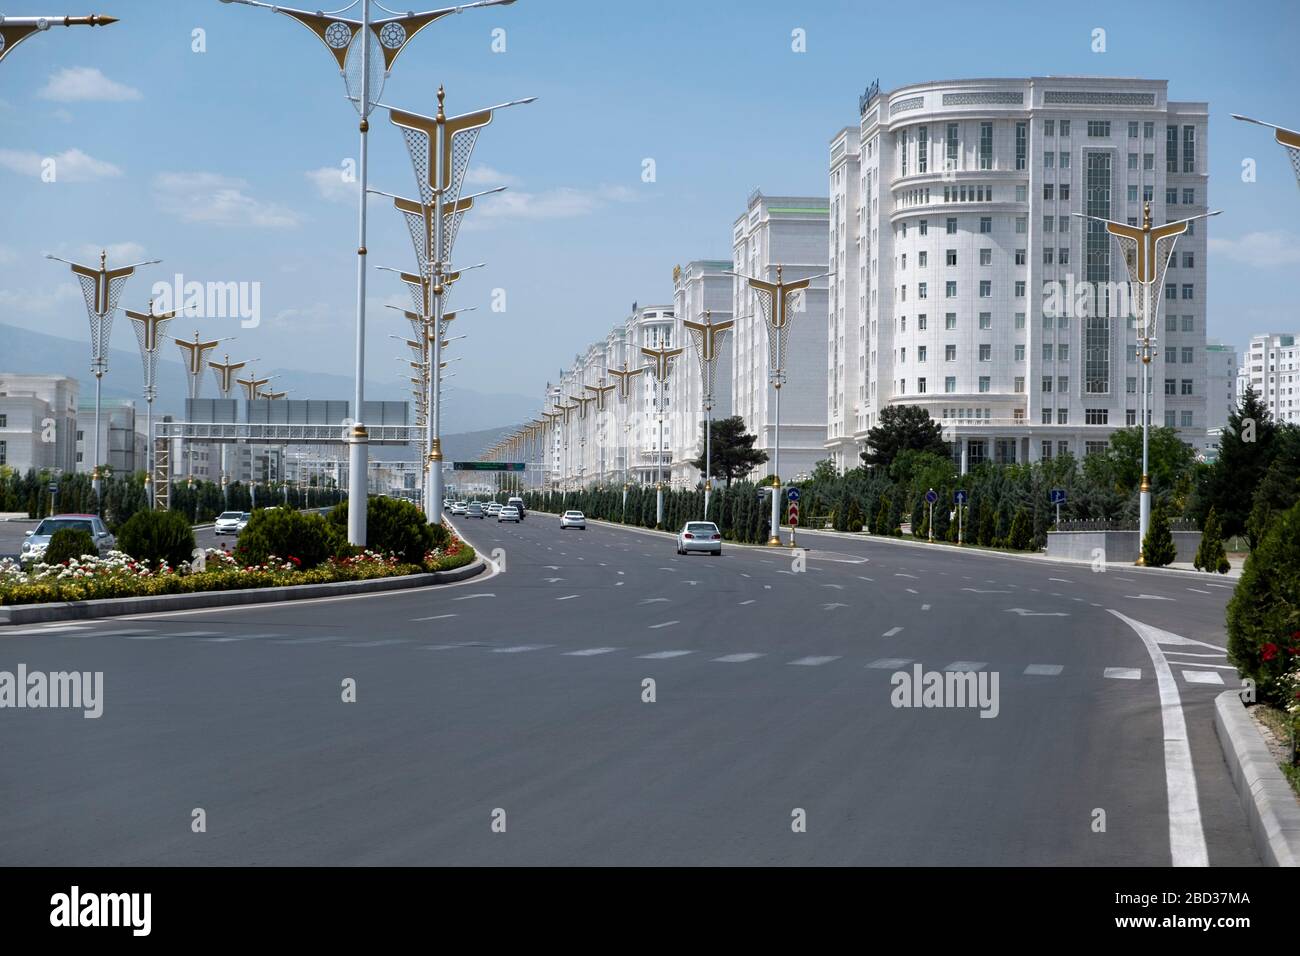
(774, 542)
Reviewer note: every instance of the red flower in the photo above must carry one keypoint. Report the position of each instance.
(296, 562)
(1270, 651)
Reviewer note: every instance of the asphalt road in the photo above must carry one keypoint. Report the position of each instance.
(518, 697)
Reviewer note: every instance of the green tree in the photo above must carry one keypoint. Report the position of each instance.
(901, 428)
(732, 452)
(1021, 535)
(1264, 613)
(1210, 555)
(157, 537)
(1158, 549)
(1246, 450)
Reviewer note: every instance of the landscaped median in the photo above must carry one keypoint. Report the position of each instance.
(280, 556)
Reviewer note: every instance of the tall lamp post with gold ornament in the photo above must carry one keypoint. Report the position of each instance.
(101, 288)
(14, 30)
(582, 401)
(661, 365)
(776, 301)
(707, 336)
(624, 377)
(1289, 139)
(599, 392)
(149, 330)
(365, 51)
(224, 372)
(1147, 250)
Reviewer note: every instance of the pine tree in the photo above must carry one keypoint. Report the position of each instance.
(1021, 536)
(1210, 555)
(1158, 550)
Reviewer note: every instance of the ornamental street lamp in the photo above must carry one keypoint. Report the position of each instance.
(440, 148)
(224, 372)
(775, 300)
(624, 376)
(101, 288)
(1289, 139)
(582, 401)
(149, 330)
(1147, 251)
(707, 335)
(552, 423)
(14, 30)
(661, 364)
(195, 354)
(365, 51)
(599, 392)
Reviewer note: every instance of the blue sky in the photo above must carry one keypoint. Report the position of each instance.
(222, 163)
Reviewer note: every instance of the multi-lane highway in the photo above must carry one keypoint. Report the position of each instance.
(518, 701)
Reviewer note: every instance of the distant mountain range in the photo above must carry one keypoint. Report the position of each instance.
(35, 353)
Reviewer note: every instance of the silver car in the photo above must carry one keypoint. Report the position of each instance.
(39, 538)
(699, 536)
(508, 514)
(230, 522)
(573, 519)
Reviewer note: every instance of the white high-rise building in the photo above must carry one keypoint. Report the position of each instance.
(789, 231)
(1272, 368)
(846, 370)
(699, 286)
(966, 238)
(1220, 391)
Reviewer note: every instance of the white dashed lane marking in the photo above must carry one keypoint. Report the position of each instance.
(735, 658)
(814, 661)
(1044, 670)
(891, 632)
(1123, 673)
(664, 655)
(890, 663)
(1203, 677)
(590, 652)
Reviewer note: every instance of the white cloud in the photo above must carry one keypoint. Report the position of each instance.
(218, 200)
(71, 165)
(563, 202)
(331, 186)
(63, 116)
(19, 306)
(85, 84)
(1262, 249)
(489, 177)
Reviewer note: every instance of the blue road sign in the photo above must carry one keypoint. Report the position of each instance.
(960, 497)
(793, 494)
(932, 496)
(1058, 496)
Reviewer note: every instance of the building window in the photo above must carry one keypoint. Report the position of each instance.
(923, 149)
(921, 352)
(1022, 192)
(922, 259)
(1022, 143)
(986, 352)
(1133, 130)
(986, 320)
(986, 225)
(951, 226)
(1171, 197)
(1065, 127)
(1049, 160)
(922, 290)
(1047, 383)
(1130, 416)
(1185, 386)
(1133, 161)
(1020, 320)
(924, 227)
(1048, 256)
(1020, 257)
(1047, 351)
(1148, 160)
(4, 421)
(1171, 149)
(950, 289)
(1019, 385)
(1189, 197)
(950, 320)
(80, 435)
(986, 145)
(1186, 419)
(1187, 355)
(1096, 416)
(1049, 223)
(1049, 127)
(1063, 161)
(4, 453)
(1189, 291)
(1171, 386)
(1047, 416)
(984, 383)
(1020, 288)
(1020, 353)
(986, 288)
(1189, 149)
(950, 383)
(1022, 225)
(1169, 419)
(950, 149)
(950, 353)
(1063, 384)
(1062, 416)
(1063, 255)
(950, 257)
(1099, 128)
(986, 257)
(920, 385)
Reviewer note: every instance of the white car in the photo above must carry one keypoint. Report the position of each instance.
(573, 519)
(699, 536)
(459, 508)
(508, 514)
(493, 508)
(38, 539)
(230, 522)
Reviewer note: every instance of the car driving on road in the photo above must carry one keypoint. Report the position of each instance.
(38, 539)
(494, 508)
(518, 504)
(230, 522)
(459, 508)
(508, 514)
(474, 510)
(573, 519)
(699, 536)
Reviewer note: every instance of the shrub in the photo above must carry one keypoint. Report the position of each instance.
(286, 534)
(1021, 536)
(394, 526)
(157, 536)
(1209, 554)
(1158, 547)
(1264, 613)
(68, 543)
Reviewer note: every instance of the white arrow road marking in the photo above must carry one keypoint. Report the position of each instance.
(655, 627)
(1023, 612)
(556, 567)
(1186, 835)
(520, 648)
(912, 591)
(891, 632)
(890, 663)
(691, 583)
(871, 580)
(470, 597)
(832, 606)
(394, 640)
(667, 569)
(925, 607)
(306, 640)
(1061, 580)
(1148, 597)
(618, 584)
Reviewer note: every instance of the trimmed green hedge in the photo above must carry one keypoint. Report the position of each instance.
(157, 536)
(67, 544)
(1264, 613)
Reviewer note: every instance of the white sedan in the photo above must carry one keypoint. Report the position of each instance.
(573, 519)
(699, 536)
(508, 514)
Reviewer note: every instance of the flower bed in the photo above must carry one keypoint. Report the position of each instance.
(118, 575)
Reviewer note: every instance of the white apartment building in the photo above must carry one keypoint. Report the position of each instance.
(965, 223)
(122, 443)
(624, 439)
(789, 231)
(700, 286)
(38, 422)
(845, 362)
(1272, 368)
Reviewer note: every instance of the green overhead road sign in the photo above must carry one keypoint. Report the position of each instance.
(487, 466)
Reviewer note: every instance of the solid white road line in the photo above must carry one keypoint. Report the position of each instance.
(1186, 836)
(436, 617)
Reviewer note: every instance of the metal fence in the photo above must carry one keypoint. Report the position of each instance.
(1103, 524)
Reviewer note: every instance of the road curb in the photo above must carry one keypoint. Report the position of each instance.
(1271, 808)
(113, 607)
